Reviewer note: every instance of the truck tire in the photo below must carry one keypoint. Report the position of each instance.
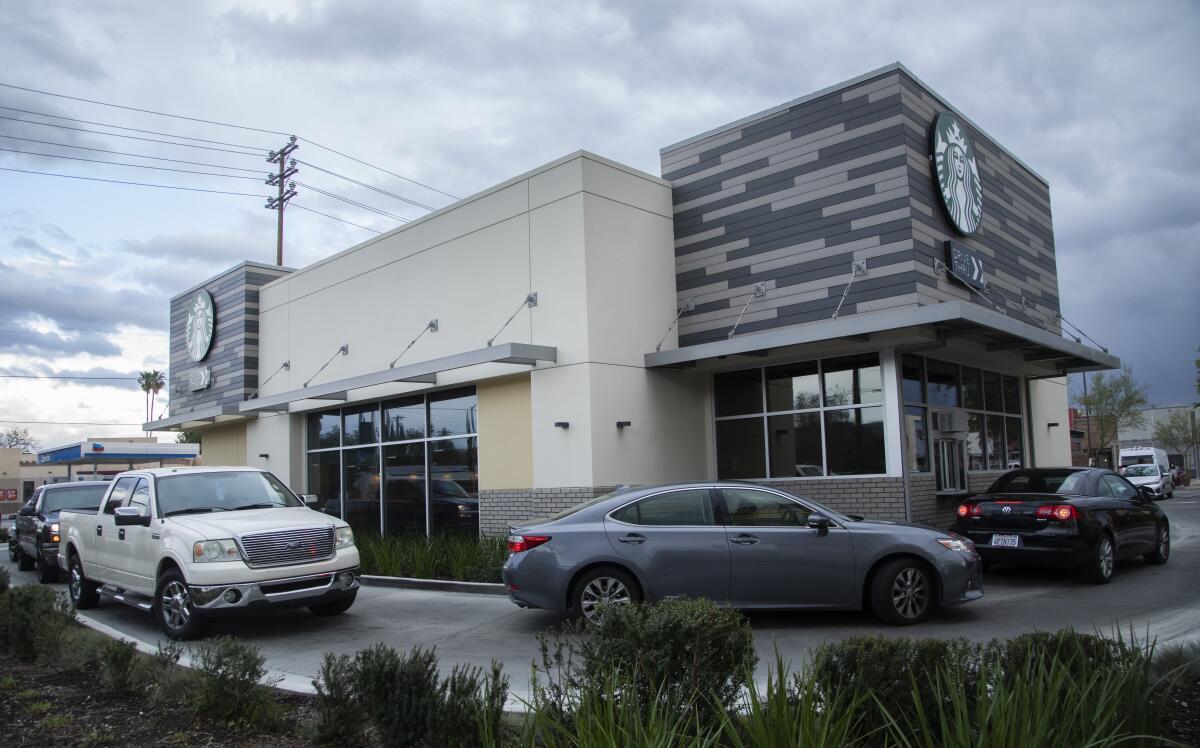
(46, 572)
(12, 549)
(84, 594)
(25, 562)
(334, 608)
(173, 608)
(902, 592)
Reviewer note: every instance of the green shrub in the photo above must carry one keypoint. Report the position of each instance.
(5, 579)
(338, 718)
(120, 667)
(409, 705)
(232, 684)
(458, 557)
(166, 681)
(693, 654)
(1179, 661)
(1078, 652)
(33, 619)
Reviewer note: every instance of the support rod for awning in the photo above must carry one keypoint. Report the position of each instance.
(530, 301)
(344, 350)
(432, 326)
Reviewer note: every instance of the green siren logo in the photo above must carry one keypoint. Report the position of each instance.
(198, 333)
(957, 173)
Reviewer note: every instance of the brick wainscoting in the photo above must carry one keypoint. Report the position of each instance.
(929, 509)
(877, 498)
(499, 508)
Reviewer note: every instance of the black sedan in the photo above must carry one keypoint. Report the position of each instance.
(1085, 518)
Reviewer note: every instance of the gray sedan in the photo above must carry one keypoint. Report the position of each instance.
(739, 544)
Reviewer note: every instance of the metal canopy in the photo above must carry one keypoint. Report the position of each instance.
(424, 372)
(958, 319)
(200, 416)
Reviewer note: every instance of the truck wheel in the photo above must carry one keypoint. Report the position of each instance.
(902, 592)
(334, 608)
(84, 594)
(177, 616)
(25, 562)
(46, 572)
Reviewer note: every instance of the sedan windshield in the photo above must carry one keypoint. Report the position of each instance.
(1064, 482)
(1141, 471)
(221, 492)
(86, 498)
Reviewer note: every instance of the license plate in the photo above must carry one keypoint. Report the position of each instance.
(1007, 541)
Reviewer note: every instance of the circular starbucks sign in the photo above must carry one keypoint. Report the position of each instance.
(957, 173)
(199, 330)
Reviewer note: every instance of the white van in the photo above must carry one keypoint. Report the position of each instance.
(1158, 478)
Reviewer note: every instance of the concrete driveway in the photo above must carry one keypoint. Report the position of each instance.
(467, 628)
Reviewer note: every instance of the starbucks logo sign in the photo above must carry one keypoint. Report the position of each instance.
(957, 174)
(198, 333)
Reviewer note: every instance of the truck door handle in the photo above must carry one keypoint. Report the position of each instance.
(99, 529)
(121, 534)
(633, 538)
(744, 539)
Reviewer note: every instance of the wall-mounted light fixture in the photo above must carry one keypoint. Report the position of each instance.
(264, 455)
(562, 424)
(1052, 425)
(624, 424)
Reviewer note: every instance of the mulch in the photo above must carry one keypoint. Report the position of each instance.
(1183, 715)
(44, 705)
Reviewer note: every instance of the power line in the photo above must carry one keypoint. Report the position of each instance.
(368, 186)
(380, 168)
(126, 153)
(135, 166)
(67, 423)
(130, 137)
(343, 220)
(143, 111)
(124, 127)
(364, 206)
(136, 184)
(57, 376)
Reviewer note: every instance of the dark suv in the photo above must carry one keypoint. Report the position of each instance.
(35, 530)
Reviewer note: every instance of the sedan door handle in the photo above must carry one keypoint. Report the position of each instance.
(633, 538)
(744, 540)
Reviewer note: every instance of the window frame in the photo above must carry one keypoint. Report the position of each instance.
(710, 496)
(727, 517)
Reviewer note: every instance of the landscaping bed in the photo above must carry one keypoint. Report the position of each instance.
(458, 558)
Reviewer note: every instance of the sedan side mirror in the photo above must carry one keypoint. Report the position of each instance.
(820, 524)
(1145, 494)
(126, 516)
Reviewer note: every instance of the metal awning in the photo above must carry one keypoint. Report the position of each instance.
(1041, 349)
(424, 372)
(198, 417)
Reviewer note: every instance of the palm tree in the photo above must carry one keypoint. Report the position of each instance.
(151, 383)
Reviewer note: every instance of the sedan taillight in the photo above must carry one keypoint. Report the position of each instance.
(1060, 512)
(970, 510)
(521, 543)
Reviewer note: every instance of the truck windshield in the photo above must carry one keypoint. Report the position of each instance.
(221, 492)
(86, 498)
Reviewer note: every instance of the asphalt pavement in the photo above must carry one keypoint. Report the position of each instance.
(1162, 602)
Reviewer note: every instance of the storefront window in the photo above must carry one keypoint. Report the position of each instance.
(1016, 454)
(815, 421)
(912, 370)
(422, 477)
(995, 442)
(991, 392)
(916, 433)
(942, 383)
(975, 459)
(1012, 395)
(972, 389)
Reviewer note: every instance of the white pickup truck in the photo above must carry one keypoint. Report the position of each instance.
(195, 543)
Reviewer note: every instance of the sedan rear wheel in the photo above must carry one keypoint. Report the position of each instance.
(1162, 547)
(1104, 557)
(902, 592)
(601, 587)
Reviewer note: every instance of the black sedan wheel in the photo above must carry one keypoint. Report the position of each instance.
(1099, 569)
(1162, 547)
(902, 592)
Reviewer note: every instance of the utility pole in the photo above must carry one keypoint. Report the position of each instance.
(279, 179)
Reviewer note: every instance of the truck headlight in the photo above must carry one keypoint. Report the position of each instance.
(343, 538)
(54, 527)
(215, 550)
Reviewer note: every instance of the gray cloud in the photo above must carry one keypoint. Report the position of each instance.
(32, 32)
(96, 376)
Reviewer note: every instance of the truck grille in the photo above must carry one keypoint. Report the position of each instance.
(284, 547)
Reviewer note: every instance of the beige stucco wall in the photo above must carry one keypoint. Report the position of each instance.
(1048, 405)
(505, 438)
(223, 444)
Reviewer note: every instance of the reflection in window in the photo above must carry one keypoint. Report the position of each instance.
(360, 426)
(972, 389)
(943, 383)
(795, 442)
(324, 430)
(325, 481)
(404, 488)
(1016, 455)
(453, 412)
(991, 392)
(750, 508)
(1012, 395)
(738, 392)
(916, 442)
(361, 484)
(793, 387)
(854, 441)
(975, 459)
(454, 486)
(913, 378)
(689, 507)
(404, 419)
(995, 442)
(740, 449)
(853, 380)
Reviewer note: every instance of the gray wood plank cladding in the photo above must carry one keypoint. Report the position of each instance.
(791, 198)
(233, 358)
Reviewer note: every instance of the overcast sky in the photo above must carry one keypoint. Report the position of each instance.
(1100, 98)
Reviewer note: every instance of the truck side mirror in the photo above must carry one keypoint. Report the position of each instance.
(27, 511)
(126, 516)
(311, 500)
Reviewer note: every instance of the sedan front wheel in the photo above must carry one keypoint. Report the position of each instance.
(902, 592)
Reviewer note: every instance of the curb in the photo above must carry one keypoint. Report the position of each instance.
(436, 585)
